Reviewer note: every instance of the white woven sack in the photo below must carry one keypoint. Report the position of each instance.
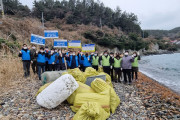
(57, 92)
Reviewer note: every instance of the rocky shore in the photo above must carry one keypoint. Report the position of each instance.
(144, 99)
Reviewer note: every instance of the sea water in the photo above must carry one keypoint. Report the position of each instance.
(163, 68)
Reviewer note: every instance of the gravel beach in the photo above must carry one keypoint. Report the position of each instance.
(137, 103)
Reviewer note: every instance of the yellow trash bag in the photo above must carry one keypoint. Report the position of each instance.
(100, 85)
(108, 78)
(77, 74)
(100, 69)
(102, 98)
(90, 72)
(83, 88)
(91, 111)
(64, 73)
(42, 88)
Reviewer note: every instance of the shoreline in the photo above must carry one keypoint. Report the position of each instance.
(154, 80)
(159, 100)
(159, 52)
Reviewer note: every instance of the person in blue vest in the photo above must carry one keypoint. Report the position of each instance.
(73, 60)
(135, 65)
(61, 61)
(41, 61)
(26, 59)
(47, 52)
(80, 60)
(86, 61)
(51, 60)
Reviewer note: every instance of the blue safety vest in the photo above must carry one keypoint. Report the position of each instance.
(51, 59)
(41, 58)
(86, 62)
(26, 55)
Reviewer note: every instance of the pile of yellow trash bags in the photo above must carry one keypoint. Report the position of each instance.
(93, 102)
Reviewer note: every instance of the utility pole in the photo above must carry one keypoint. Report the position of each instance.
(101, 23)
(42, 20)
(2, 8)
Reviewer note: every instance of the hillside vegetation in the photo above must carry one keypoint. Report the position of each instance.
(85, 20)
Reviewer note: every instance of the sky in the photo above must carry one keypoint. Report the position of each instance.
(152, 14)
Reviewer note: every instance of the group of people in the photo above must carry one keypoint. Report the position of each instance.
(123, 65)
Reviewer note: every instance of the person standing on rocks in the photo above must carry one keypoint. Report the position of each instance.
(61, 64)
(41, 61)
(86, 61)
(95, 61)
(33, 59)
(26, 59)
(135, 65)
(47, 52)
(117, 68)
(51, 60)
(106, 62)
(126, 64)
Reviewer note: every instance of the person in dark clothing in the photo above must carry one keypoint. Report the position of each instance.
(56, 52)
(86, 61)
(41, 61)
(95, 60)
(117, 68)
(111, 67)
(61, 64)
(33, 59)
(80, 54)
(73, 60)
(106, 62)
(126, 64)
(51, 60)
(135, 65)
(26, 59)
(47, 52)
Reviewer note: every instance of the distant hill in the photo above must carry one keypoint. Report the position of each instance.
(172, 34)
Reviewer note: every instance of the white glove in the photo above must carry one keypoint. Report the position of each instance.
(132, 55)
(111, 66)
(32, 62)
(121, 69)
(36, 52)
(20, 52)
(53, 63)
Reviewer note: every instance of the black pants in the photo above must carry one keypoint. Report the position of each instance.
(34, 67)
(127, 73)
(111, 73)
(84, 68)
(26, 67)
(134, 71)
(118, 74)
(95, 67)
(81, 67)
(40, 67)
(61, 67)
(46, 66)
(106, 69)
(51, 67)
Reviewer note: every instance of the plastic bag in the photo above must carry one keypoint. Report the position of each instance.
(57, 92)
(100, 85)
(100, 69)
(108, 78)
(91, 111)
(83, 88)
(51, 76)
(42, 88)
(77, 74)
(90, 72)
(102, 98)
